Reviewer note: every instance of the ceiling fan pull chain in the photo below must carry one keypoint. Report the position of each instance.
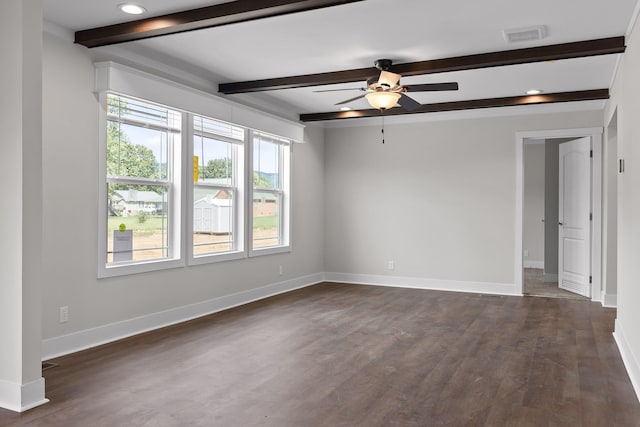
(382, 115)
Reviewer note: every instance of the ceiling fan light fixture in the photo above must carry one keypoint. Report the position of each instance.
(132, 9)
(383, 100)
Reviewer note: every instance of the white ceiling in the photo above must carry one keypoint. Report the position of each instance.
(354, 35)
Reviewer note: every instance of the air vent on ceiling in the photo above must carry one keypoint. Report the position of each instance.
(517, 35)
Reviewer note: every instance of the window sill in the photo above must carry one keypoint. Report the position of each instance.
(270, 250)
(213, 258)
(141, 267)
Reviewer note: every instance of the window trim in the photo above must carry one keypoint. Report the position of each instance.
(285, 168)
(119, 79)
(239, 251)
(174, 195)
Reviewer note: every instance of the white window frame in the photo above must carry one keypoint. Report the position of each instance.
(237, 188)
(129, 82)
(174, 196)
(285, 167)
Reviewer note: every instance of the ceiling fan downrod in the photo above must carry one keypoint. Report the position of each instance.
(382, 116)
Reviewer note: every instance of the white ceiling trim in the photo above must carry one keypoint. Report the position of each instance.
(634, 19)
(614, 74)
(57, 30)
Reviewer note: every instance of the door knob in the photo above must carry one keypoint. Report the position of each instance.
(559, 223)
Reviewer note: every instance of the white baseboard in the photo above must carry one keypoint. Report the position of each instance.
(610, 300)
(22, 397)
(629, 359)
(422, 283)
(548, 277)
(529, 263)
(66, 344)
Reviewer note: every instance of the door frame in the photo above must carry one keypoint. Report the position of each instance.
(596, 201)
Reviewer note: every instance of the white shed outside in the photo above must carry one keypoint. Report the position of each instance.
(212, 215)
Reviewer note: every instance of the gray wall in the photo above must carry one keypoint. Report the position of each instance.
(533, 228)
(438, 198)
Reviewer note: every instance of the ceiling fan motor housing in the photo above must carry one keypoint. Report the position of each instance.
(383, 64)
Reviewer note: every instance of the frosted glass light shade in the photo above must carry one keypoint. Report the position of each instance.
(382, 100)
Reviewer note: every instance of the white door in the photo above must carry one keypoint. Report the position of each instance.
(574, 217)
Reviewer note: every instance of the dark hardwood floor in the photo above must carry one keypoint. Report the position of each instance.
(348, 355)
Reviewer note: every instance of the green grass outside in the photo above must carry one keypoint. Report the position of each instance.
(146, 228)
(265, 222)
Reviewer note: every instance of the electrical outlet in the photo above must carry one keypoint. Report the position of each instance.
(64, 314)
(281, 270)
(391, 265)
(526, 252)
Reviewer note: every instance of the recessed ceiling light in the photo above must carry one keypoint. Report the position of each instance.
(345, 108)
(132, 9)
(534, 92)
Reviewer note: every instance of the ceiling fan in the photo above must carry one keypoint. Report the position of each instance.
(385, 91)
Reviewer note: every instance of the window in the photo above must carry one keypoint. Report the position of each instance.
(140, 141)
(179, 188)
(218, 159)
(270, 195)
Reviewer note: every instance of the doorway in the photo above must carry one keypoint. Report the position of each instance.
(546, 273)
(538, 230)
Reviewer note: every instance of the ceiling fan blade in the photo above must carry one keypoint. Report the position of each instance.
(340, 90)
(350, 100)
(431, 87)
(408, 103)
(388, 79)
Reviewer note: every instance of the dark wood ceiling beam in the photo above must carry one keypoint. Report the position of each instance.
(197, 19)
(579, 49)
(512, 101)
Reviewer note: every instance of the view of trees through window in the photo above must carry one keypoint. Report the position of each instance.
(138, 137)
(221, 168)
(218, 168)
